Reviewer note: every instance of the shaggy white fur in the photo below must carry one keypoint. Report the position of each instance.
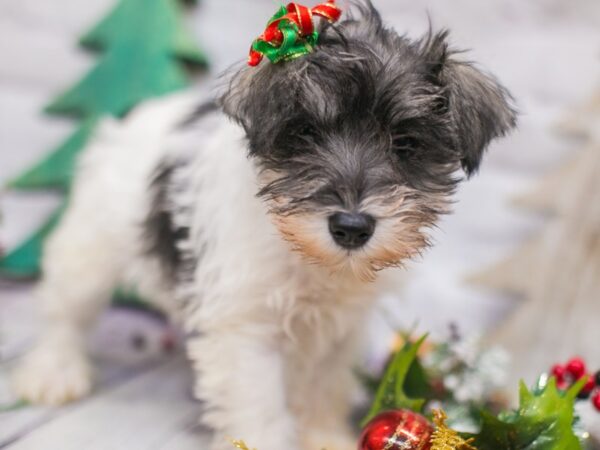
(272, 337)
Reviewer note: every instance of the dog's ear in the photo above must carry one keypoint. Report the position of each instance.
(479, 107)
(252, 91)
(234, 96)
(258, 98)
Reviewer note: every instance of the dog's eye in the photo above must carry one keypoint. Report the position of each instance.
(405, 146)
(306, 131)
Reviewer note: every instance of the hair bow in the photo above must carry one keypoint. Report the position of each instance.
(291, 32)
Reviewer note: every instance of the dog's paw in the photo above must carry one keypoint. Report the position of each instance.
(51, 376)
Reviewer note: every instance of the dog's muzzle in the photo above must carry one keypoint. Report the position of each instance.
(351, 230)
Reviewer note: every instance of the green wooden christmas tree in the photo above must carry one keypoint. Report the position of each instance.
(145, 53)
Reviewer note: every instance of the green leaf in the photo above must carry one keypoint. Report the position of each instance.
(416, 384)
(24, 261)
(55, 171)
(391, 393)
(543, 421)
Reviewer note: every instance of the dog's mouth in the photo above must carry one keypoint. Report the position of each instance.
(384, 230)
(355, 246)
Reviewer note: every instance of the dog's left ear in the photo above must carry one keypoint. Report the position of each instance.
(478, 105)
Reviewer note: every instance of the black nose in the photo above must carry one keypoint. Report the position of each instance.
(351, 230)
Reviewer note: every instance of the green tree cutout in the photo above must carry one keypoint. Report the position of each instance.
(145, 50)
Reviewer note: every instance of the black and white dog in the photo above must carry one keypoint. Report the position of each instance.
(262, 220)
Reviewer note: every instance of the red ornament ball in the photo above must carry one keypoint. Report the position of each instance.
(596, 400)
(397, 430)
(559, 371)
(576, 368)
(589, 386)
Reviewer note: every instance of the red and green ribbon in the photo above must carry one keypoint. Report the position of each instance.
(291, 32)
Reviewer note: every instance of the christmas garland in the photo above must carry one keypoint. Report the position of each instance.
(424, 381)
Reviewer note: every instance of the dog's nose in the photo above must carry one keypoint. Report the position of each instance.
(351, 230)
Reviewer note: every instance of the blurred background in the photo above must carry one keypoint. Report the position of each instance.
(518, 263)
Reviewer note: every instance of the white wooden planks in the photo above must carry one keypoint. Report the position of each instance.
(152, 411)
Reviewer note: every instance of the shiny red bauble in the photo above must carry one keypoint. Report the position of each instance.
(399, 429)
(596, 400)
(589, 386)
(576, 368)
(559, 372)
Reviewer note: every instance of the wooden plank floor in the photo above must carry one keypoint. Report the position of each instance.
(546, 51)
(156, 401)
(142, 397)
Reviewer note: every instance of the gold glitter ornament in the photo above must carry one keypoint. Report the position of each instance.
(445, 438)
(241, 445)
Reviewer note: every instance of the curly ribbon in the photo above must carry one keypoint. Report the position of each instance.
(291, 32)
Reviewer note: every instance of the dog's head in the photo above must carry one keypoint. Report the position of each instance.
(360, 143)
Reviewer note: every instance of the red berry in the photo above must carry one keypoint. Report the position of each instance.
(596, 400)
(559, 372)
(562, 385)
(590, 384)
(587, 389)
(576, 368)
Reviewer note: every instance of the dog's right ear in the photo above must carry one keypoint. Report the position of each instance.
(253, 91)
(234, 98)
(258, 98)
(478, 106)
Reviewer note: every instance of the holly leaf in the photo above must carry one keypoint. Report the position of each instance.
(544, 421)
(391, 393)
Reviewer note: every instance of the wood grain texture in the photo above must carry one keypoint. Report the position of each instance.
(152, 411)
(125, 347)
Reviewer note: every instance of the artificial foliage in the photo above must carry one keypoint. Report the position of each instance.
(408, 409)
(544, 420)
(391, 393)
(144, 52)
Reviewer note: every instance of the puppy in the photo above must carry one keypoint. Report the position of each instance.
(261, 221)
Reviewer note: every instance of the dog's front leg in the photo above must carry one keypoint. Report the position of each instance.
(323, 399)
(240, 377)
